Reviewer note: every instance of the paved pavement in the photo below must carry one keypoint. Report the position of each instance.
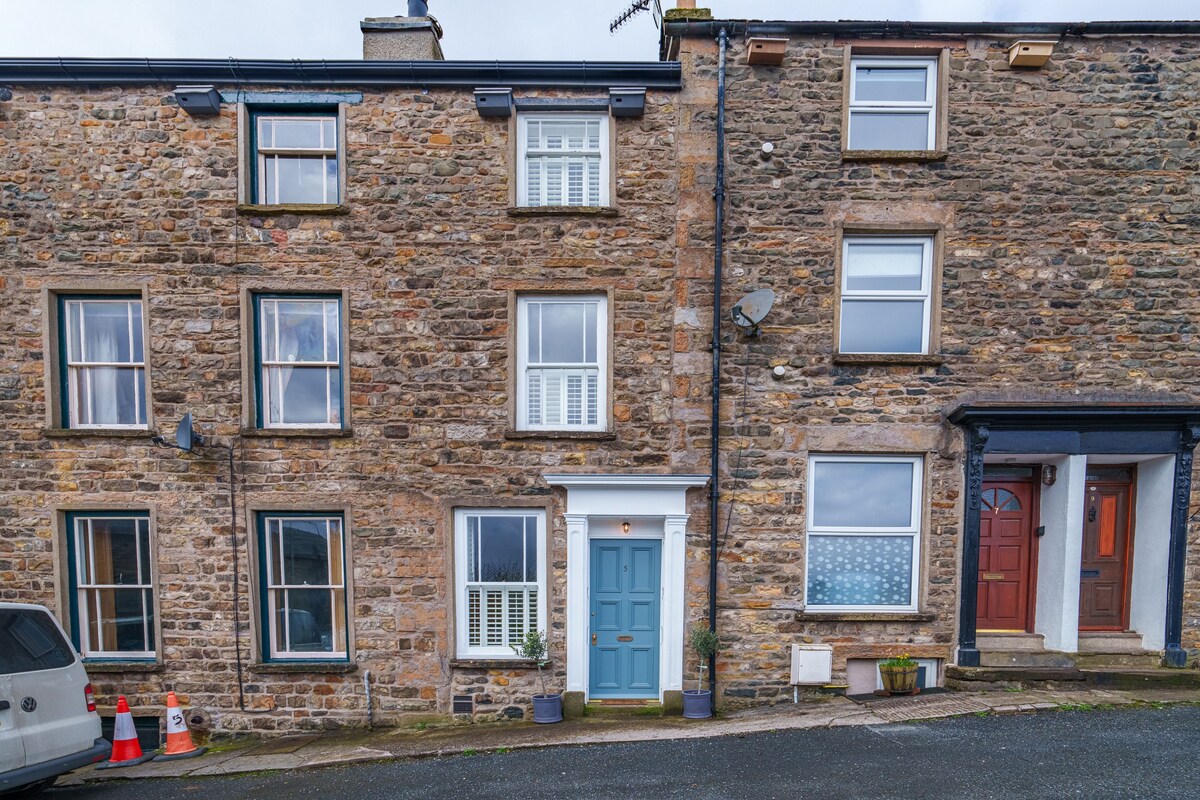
(1130, 752)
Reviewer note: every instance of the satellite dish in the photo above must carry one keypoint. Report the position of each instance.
(752, 309)
(185, 436)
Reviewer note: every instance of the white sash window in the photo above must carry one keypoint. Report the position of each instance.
(893, 103)
(305, 603)
(297, 159)
(886, 289)
(563, 160)
(562, 361)
(105, 363)
(114, 591)
(500, 557)
(300, 375)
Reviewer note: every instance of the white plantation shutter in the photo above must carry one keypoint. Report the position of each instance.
(564, 161)
(562, 350)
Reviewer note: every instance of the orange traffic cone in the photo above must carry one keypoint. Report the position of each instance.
(125, 750)
(179, 741)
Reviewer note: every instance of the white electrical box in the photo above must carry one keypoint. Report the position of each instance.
(812, 664)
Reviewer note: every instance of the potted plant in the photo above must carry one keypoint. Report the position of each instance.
(697, 703)
(899, 675)
(546, 707)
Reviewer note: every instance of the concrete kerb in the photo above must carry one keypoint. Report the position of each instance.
(393, 744)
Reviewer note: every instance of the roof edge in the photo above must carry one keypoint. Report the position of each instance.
(899, 29)
(664, 75)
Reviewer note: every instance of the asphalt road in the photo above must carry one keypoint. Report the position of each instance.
(1122, 753)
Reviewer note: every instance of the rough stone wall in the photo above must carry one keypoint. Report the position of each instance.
(117, 187)
(1070, 218)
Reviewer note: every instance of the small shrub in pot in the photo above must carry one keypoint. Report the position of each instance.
(697, 703)
(547, 707)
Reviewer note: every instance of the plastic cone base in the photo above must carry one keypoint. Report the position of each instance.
(199, 751)
(131, 762)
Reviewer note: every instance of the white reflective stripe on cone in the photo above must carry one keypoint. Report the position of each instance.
(175, 723)
(123, 728)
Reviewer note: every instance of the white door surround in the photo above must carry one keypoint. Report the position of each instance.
(656, 508)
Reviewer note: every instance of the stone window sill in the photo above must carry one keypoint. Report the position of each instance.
(99, 433)
(889, 359)
(562, 211)
(594, 436)
(94, 667)
(294, 433)
(875, 616)
(894, 155)
(496, 663)
(309, 209)
(302, 667)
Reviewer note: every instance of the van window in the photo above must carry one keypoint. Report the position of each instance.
(30, 641)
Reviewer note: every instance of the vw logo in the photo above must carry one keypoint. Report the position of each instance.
(29, 705)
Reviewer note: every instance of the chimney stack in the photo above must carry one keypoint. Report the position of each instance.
(411, 38)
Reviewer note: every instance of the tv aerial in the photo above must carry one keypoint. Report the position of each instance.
(635, 8)
(753, 309)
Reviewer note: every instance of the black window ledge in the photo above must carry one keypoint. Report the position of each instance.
(297, 433)
(308, 209)
(593, 436)
(97, 433)
(93, 667)
(889, 359)
(562, 211)
(302, 667)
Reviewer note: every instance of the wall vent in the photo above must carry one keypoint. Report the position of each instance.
(464, 704)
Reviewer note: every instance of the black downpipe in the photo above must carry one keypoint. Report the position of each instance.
(714, 456)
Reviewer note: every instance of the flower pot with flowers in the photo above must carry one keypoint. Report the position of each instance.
(899, 676)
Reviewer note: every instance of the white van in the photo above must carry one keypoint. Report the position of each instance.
(48, 720)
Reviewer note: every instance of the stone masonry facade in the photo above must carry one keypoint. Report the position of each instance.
(1067, 205)
(117, 188)
(1066, 212)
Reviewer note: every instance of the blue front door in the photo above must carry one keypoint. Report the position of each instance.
(624, 618)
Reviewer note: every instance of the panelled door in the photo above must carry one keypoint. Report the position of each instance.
(625, 579)
(1005, 555)
(1103, 574)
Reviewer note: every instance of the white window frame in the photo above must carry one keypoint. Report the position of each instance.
(464, 649)
(925, 293)
(928, 105)
(524, 366)
(322, 152)
(86, 588)
(524, 153)
(77, 368)
(270, 588)
(267, 368)
(913, 530)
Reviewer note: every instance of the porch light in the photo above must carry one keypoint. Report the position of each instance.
(1049, 474)
(625, 526)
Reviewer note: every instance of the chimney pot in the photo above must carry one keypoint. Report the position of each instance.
(418, 8)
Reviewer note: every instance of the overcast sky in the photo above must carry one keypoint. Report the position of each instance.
(475, 29)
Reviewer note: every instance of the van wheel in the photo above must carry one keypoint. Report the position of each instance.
(29, 790)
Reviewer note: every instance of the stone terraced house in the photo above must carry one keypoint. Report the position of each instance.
(445, 331)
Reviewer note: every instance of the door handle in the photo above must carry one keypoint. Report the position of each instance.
(593, 639)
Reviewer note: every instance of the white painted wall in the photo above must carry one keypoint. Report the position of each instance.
(1060, 553)
(1151, 547)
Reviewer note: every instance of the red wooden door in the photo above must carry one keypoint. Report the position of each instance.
(1005, 547)
(1104, 567)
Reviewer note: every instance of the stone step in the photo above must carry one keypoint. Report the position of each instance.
(1009, 642)
(1024, 658)
(1143, 659)
(1114, 642)
(976, 678)
(1161, 678)
(624, 708)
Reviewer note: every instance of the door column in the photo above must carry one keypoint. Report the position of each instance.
(577, 603)
(1060, 553)
(674, 573)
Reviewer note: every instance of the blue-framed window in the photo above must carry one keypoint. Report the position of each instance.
(302, 579)
(111, 584)
(296, 156)
(102, 360)
(298, 361)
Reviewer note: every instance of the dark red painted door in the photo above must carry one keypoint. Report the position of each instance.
(1102, 576)
(1005, 545)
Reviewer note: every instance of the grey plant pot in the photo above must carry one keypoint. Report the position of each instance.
(547, 708)
(697, 703)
